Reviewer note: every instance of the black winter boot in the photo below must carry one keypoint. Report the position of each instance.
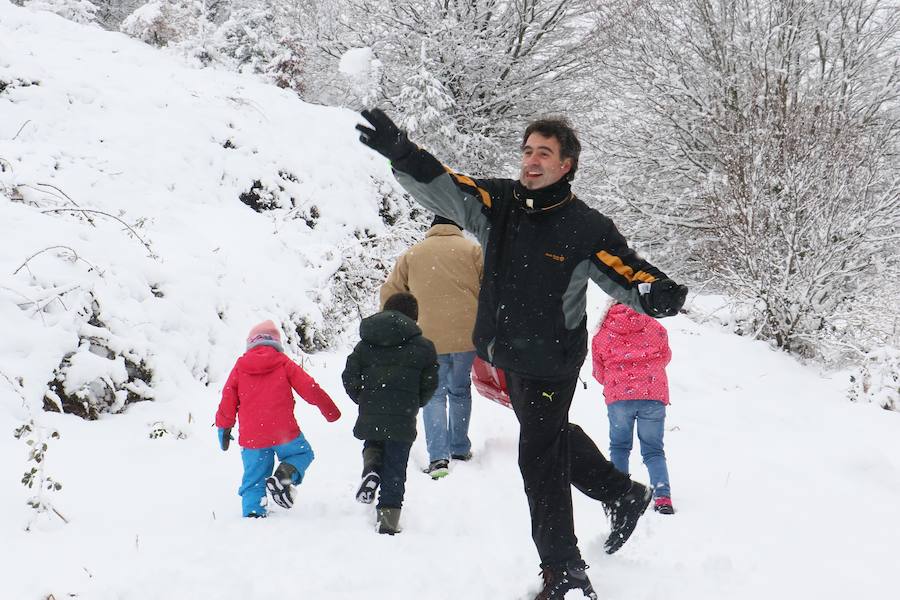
(624, 514)
(388, 520)
(280, 485)
(561, 578)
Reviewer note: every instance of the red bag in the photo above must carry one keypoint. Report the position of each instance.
(490, 382)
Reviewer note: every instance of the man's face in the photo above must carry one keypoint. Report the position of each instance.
(541, 163)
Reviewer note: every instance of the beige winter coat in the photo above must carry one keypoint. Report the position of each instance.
(443, 272)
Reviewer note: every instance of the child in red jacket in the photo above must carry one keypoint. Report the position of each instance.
(630, 353)
(258, 392)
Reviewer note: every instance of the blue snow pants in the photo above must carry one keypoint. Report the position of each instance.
(259, 463)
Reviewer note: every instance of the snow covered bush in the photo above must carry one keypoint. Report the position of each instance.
(261, 197)
(287, 68)
(79, 11)
(111, 13)
(265, 38)
(164, 22)
(877, 380)
(245, 40)
(366, 261)
(102, 375)
(279, 192)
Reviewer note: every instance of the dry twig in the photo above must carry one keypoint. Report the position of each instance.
(21, 128)
(106, 214)
(74, 257)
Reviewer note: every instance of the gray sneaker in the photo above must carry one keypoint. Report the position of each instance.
(438, 468)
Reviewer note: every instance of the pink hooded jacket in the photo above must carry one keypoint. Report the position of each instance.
(630, 353)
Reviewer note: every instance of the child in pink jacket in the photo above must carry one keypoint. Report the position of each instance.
(630, 353)
(260, 393)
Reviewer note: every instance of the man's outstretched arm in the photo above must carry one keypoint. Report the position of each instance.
(630, 279)
(433, 185)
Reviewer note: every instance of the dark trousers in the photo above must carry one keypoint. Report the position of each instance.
(553, 456)
(387, 458)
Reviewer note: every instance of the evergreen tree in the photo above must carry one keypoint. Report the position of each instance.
(426, 102)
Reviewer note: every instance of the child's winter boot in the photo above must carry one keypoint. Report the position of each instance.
(388, 520)
(559, 579)
(663, 505)
(373, 457)
(624, 514)
(280, 485)
(368, 487)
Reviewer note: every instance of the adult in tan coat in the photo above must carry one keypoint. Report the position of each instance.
(443, 272)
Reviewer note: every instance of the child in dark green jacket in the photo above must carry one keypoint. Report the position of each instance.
(391, 373)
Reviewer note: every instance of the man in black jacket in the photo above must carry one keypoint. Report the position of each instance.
(541, 246)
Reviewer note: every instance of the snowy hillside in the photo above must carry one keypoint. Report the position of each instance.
(121, 174)
(783, 489)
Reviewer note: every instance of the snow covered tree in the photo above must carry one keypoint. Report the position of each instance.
(763, 136)
(494, 64)
(480, 68)
(426, 100)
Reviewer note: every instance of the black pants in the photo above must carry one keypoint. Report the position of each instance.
(388, 459)
(553, 456)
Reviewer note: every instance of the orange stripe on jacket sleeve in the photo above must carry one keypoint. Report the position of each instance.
(469, 182)
(616, 264)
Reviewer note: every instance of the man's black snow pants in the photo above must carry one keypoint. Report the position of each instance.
(553, 456)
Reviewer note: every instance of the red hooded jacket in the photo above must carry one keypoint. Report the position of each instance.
(630, 353)
(258, 391)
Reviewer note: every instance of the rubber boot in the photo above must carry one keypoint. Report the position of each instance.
(388, 520)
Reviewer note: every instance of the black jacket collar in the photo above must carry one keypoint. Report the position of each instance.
(544, 199)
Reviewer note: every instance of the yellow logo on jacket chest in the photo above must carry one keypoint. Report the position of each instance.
(556, 257)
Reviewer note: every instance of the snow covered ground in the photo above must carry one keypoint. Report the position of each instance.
(783, 489)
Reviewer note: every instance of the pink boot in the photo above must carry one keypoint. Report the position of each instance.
(663, 505)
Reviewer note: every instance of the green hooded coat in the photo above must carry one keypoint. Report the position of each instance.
(390, 374)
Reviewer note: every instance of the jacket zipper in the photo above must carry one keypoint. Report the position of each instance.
(515, 230)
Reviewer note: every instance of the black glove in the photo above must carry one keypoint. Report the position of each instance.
(662, 298)
(386, 138)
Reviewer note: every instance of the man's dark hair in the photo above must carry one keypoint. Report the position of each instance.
(403, 302)
(561, 129)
